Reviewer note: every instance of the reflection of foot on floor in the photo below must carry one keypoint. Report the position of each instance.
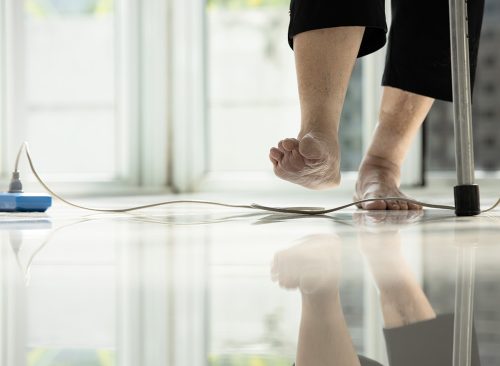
(312, 160)
(313, 266)
(379, 220)
(380, 178)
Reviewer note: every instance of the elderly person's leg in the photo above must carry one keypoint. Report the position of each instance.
(327, 37)
(324, 60)
(401, 114)
(417, 71)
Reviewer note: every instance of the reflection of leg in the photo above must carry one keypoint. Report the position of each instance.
(324, 337)
(324, 61)
(414, 335)
(404, 303)
(313, 266)
(401, 115)
(402, 300)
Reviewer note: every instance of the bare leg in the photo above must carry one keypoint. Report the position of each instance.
(401, 115)
(324, 61)
(402, 300)
(313, 267)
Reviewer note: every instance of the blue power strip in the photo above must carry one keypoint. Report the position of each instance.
(24, 202)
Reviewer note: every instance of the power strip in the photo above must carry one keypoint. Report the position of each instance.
(24, 202)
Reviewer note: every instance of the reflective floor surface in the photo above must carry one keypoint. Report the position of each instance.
(193, 285)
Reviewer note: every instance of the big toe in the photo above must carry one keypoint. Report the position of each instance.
(311, 148)
(290, 144)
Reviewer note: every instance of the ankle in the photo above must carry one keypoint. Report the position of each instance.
(382, 165)
(320, 131)
(322, 123)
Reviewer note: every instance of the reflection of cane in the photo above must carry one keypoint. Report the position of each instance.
(466, 192)
(464, 351)
(464, 306)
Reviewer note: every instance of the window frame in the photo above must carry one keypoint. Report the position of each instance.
(188, 85)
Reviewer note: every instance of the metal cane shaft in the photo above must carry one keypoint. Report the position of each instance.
(461, 92)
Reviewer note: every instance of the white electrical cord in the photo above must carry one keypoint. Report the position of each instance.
(293, 210)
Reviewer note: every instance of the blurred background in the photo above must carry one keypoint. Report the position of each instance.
(190, 95)
(131, 96)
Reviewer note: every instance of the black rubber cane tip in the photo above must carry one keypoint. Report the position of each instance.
(467, 201)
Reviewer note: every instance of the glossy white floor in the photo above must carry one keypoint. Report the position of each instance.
(195, 285)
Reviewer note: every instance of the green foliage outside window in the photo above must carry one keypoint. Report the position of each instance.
(70, 357)
(248, 360)
(45, 8)
(244, 4)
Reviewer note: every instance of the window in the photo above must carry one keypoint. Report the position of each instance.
(64, 102)
(85, 84)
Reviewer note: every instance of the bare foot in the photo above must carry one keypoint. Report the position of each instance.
(312, 160)
(380, 178)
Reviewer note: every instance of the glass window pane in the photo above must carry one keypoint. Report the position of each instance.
(252, 94)
(69, 63)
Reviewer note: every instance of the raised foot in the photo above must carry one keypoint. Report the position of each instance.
(312, 161)
(379, 178)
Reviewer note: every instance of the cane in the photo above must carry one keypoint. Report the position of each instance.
(466, 192)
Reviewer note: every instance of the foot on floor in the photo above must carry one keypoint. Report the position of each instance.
(380, 178)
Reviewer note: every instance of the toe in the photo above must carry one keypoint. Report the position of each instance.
(274, 161)
(275, 154)
(414, 206)
(290, 144)
(393, 205)
(292, 162)
(375, 205)
(403, 205)
(281, 147)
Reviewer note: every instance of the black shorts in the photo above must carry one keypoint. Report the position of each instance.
(418, 53)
